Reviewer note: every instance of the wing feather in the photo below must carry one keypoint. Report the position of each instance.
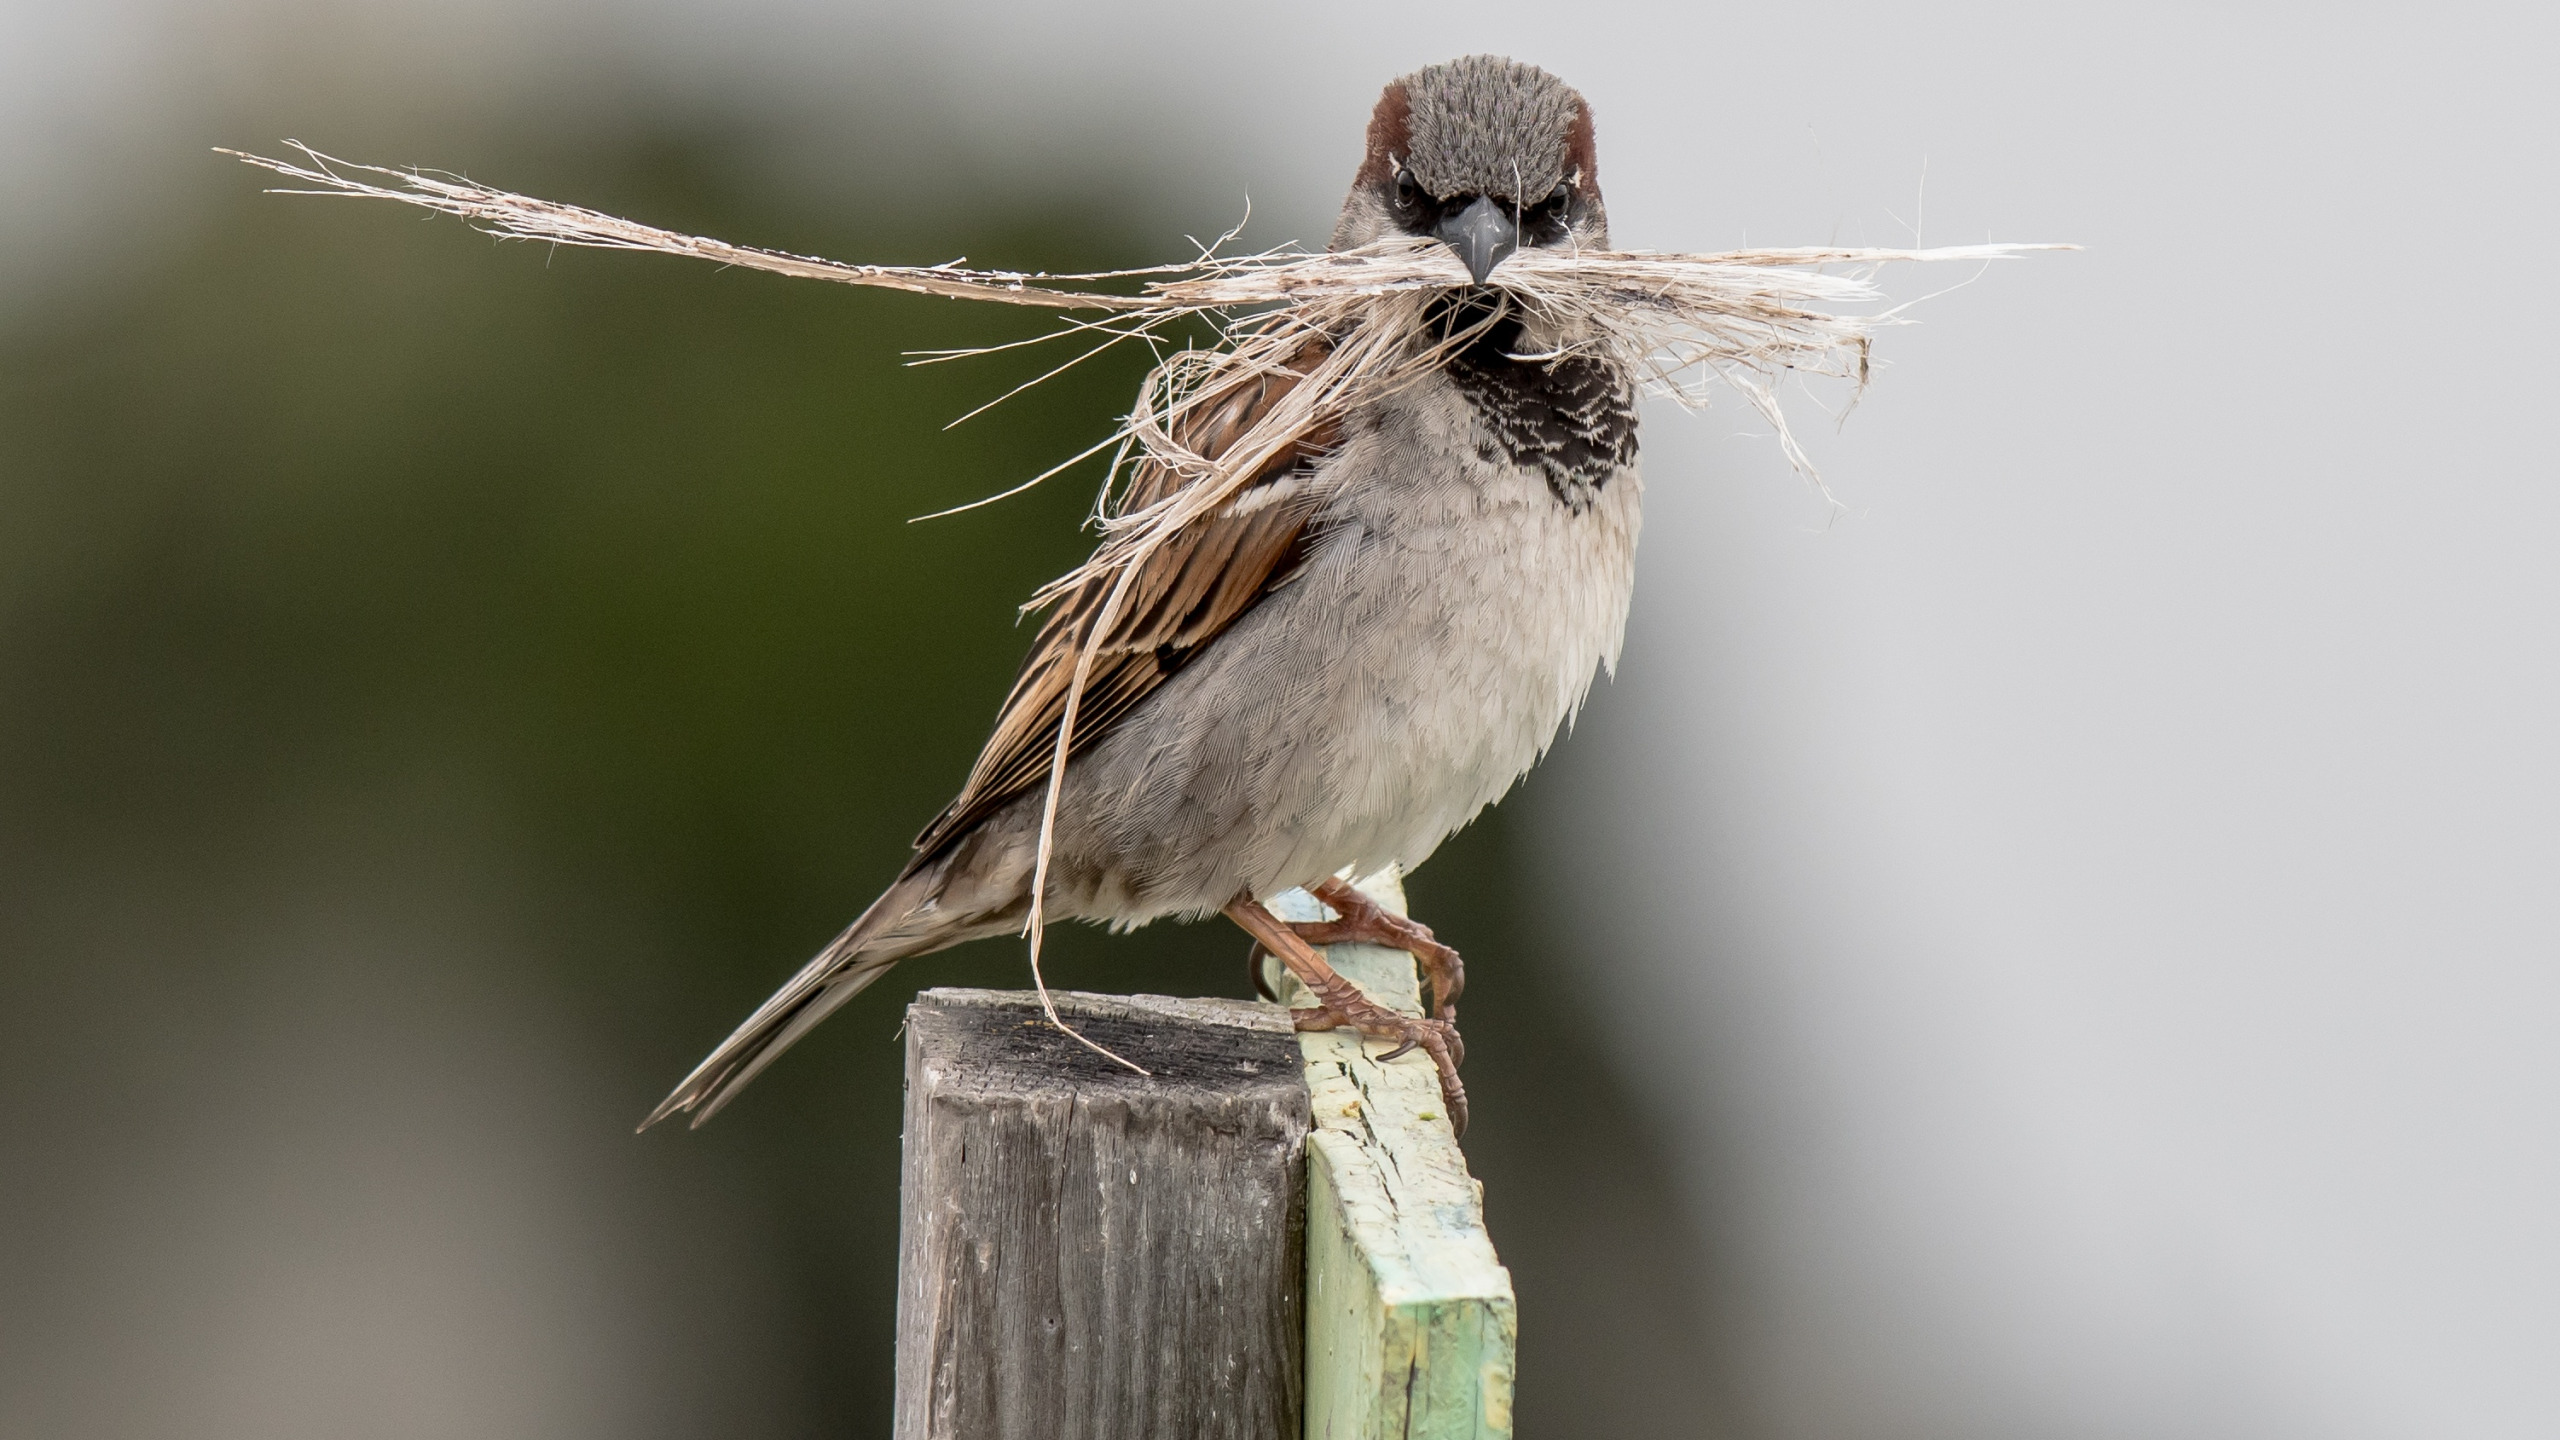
(1189, 590)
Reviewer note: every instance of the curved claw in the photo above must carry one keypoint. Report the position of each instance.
(1341, 1004)
(1436, 1038)
(1364, 921)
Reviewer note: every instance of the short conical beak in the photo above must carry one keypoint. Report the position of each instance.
(1482, 234)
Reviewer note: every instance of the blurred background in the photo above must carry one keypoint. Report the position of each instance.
(2062, 946)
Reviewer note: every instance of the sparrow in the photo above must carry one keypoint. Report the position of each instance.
(1349, 659)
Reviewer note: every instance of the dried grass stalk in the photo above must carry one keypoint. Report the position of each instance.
(1744, 319)
(1741, 318)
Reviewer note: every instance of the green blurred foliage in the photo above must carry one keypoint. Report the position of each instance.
(340, 526)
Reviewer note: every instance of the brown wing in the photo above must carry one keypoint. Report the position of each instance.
(1193, 586)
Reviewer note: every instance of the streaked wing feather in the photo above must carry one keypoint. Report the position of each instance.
(1194, 586)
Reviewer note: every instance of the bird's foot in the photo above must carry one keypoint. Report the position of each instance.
(1350, 1009)
(1343, 1005)
(1366, 922)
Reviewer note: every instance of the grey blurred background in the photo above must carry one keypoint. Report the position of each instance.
(2064, 946)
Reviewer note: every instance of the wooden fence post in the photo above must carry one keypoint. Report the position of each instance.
(1091, 1254)
(1271, 1235)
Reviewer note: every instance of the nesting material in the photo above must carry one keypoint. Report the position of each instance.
(1742, 319)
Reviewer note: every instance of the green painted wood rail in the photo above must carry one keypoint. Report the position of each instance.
(1411, 1324)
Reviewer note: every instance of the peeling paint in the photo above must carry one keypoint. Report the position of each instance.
(1411, 1322)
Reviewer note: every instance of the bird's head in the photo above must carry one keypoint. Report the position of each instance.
(1483, 153)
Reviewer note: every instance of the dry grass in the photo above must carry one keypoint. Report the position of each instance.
(1743, 319)
(1740, 318)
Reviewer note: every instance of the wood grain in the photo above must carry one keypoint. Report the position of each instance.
(1090, 1254)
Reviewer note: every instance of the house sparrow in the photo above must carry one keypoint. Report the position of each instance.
(1346, 661)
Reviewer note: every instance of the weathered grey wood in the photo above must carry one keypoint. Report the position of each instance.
(1089, 1254)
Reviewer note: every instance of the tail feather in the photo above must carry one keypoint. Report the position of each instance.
(886, 933)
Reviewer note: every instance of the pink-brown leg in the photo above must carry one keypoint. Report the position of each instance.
(1341, 1003)
(1365, 922)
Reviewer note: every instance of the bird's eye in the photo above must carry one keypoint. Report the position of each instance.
(1407, 189)
(1563, 196)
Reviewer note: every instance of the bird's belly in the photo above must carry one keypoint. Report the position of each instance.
(1476, 639)
(1422, 661)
